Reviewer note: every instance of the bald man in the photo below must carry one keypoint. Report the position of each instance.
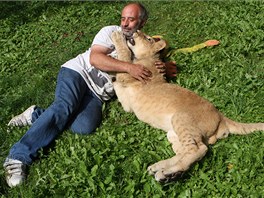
(84, 83)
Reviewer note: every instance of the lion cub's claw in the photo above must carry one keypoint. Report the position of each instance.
(150, 171)
(153, 169)
(158, 166)
(162, 177)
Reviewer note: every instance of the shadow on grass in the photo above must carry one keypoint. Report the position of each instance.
(20, 12)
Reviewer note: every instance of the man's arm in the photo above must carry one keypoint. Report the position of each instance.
(100, 60)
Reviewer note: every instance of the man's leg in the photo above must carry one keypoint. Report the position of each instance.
(27, 117)
(70, 92)
(89, 116)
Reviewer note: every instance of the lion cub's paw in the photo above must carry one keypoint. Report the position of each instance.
(118, 37)
(164, 171)
(162, 176)
(158, 166)
(155, 168)
(150, 171)
(159, 175)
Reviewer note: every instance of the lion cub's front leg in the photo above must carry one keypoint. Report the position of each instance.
(123, 52)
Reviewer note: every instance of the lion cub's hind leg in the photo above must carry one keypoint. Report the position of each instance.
(174, 167)
(191, 149)
(176, 147)
(191, 154)
(174, 140)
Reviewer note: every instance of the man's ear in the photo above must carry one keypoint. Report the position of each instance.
(142, 23)
(160, 45)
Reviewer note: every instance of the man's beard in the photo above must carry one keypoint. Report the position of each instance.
(129, 33)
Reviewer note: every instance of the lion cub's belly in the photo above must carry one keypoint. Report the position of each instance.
(156, 104)
(148, 103)
(152, 111)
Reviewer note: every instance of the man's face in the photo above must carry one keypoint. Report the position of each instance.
(130, 21)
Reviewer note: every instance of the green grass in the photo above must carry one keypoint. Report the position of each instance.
(38, 37)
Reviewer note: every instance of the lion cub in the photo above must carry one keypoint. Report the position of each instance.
(191, 122)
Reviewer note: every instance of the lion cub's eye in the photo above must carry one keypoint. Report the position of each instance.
(149, 39)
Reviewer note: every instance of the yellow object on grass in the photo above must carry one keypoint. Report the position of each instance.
(169, 51)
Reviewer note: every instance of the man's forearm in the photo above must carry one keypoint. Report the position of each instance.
(108, 64)
(100, 60)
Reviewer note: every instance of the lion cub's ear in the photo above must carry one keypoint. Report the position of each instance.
(159, 45)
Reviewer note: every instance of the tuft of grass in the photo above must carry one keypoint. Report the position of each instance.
(38, 37)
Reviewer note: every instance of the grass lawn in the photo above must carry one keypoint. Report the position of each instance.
(36, 38)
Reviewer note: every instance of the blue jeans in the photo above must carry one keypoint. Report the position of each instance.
(75, 107)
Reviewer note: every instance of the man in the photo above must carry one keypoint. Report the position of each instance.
(83, 84)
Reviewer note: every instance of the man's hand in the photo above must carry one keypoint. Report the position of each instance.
(139, 72)
(169, 69)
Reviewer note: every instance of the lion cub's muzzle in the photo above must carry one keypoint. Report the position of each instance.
(131, 41)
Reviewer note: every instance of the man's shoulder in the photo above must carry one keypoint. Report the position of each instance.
(103, 37)
(111, 28)
(106, 32)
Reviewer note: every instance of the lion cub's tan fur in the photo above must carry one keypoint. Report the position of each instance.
(191, 122)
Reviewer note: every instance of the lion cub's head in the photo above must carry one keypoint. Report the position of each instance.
(145, 46)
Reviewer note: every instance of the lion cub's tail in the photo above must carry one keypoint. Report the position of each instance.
(242, 128)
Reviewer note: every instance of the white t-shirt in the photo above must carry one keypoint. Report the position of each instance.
(98, 81)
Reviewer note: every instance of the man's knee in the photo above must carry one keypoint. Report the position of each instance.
(84, 128)
(82, 131)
